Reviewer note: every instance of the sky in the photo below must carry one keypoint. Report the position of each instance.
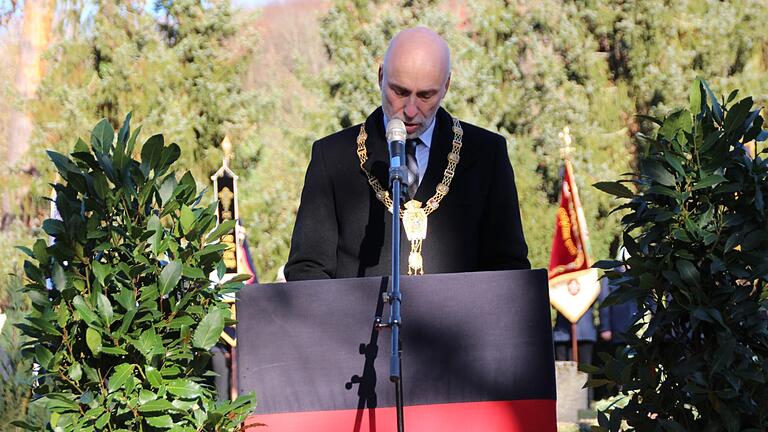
(251, 3)
(6, 5)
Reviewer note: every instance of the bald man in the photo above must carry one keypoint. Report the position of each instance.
(459, 180)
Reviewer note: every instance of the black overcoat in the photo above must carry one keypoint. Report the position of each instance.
(343, 231)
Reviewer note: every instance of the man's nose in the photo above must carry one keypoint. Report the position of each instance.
(410, 110)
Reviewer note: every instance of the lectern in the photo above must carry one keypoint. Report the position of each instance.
(477, 354)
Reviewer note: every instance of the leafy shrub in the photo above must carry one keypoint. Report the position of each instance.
(15, 370)
(697, 357)
(124, 311)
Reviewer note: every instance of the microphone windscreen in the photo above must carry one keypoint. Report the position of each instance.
(396, 130)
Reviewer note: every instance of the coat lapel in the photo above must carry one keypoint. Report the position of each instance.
(442, 141)
(378, 155)
(438, 156)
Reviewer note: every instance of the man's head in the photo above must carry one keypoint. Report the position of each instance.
(414, 78)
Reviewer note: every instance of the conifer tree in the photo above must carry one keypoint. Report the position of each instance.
(529, 69)
(178, 66)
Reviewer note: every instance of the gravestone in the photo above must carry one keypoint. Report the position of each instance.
(571, 397)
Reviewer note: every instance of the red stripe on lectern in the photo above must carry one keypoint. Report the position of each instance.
(507, 416)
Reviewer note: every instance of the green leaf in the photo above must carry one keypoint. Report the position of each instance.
(229, 225)
(657, 172)
(156, 405)
(153, 376)
(607, 264)
(40, 249)
(663, 190)
(163, 421)
(43, 356)
(614, 188)
(149, 295)
(735, 117)
(242, 277)
(34, 273)
(105, 308)
(682, 235)
(63, 164)
(85, 311)
(152, 151)
(44, 325)
(102, 420)
(588, 368)
(679, 120)
(146, 396)
(101, 185)
(674, 162)
(209, 329)
(93, 340)
(54, 227)
(214, 248)
(688, 272)
(113, 350)
(125, 129)
(169, 277)
(61, 402)
(711, 180)
(154, 225)
(649, 118)
(192, 272)
(120, 377)
(169, 155)
(696, 95)
(101, 271)
(185, 405)
(126, 321)
(188, 187)
(75, 372)
(187, 218)
(183, 320)
(167, 188)
(132, 141)
(25, 425)
(184, 388)
(717, 110)
(102, 136)
(126, 298)
(27, 251)
(149, 343)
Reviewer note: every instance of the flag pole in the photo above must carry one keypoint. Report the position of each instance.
(565, 150)
(574, 343)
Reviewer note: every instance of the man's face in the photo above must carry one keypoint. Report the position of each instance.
(412, 89)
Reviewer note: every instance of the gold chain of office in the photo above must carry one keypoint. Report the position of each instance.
(414, 216)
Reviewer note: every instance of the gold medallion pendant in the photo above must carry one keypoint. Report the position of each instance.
(414, 216)
(415, 224)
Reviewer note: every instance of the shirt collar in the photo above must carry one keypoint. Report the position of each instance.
(426, 136)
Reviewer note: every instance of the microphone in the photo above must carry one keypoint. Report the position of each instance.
(396, 135)
(396, 139)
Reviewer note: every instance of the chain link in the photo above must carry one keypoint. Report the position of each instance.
(442, 188)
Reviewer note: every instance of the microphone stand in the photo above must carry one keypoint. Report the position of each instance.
(397, 178)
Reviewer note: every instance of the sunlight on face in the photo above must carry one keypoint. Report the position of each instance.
(414, 78)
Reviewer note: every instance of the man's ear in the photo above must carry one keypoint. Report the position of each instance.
(448, 82)
(381, 75)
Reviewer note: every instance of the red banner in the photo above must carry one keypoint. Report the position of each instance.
(245, 262)
(569, 252)
(573, 285)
